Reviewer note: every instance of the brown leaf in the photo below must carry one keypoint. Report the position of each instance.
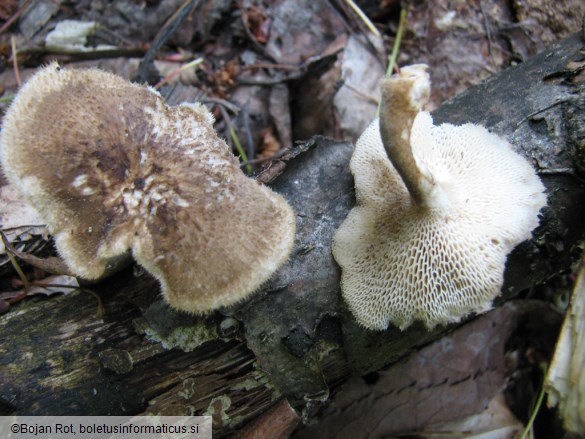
(270, 144)
(8, 8)
(453, 378)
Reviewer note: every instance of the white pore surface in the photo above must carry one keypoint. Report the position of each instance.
(403, 262)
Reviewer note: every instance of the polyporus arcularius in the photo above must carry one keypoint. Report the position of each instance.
(438, 210)
(113, 169)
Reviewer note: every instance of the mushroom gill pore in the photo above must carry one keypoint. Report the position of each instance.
(438, 209)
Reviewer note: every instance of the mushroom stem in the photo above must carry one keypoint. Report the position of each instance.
(403, 97)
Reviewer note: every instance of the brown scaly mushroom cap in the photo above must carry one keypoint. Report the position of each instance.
(112, 168)
(438, 210)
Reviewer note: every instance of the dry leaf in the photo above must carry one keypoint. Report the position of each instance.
(565, 380)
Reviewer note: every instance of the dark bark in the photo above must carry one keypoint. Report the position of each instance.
(294, 338)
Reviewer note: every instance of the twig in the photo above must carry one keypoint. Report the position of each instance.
(541, 110)
(41, 283)
(24, 226)
(15, 263)
(363, 17)
(15, 16)
(15, 61)
(100, 310)
(362, 94)
(265, 159)
(488, 32)
(271, 66)
(221, 102)
(162, 36)
(260, 82)
(21, 295)
(51, 264)
(111, 33)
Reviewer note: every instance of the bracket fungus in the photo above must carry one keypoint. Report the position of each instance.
(438, 210)
(114, 170)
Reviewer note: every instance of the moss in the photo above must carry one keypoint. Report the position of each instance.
(186, 338)
(188, 389)
(259, 379)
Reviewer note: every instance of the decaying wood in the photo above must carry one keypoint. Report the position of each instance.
(294, 339)
(58, 357)
(277, 423)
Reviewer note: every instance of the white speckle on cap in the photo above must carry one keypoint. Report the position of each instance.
(114, 170)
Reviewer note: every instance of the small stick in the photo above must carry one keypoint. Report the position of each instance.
(51, 264)
(15, 263)
(363, 17)
(265, 159)
(15, 61)
(14, 17)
